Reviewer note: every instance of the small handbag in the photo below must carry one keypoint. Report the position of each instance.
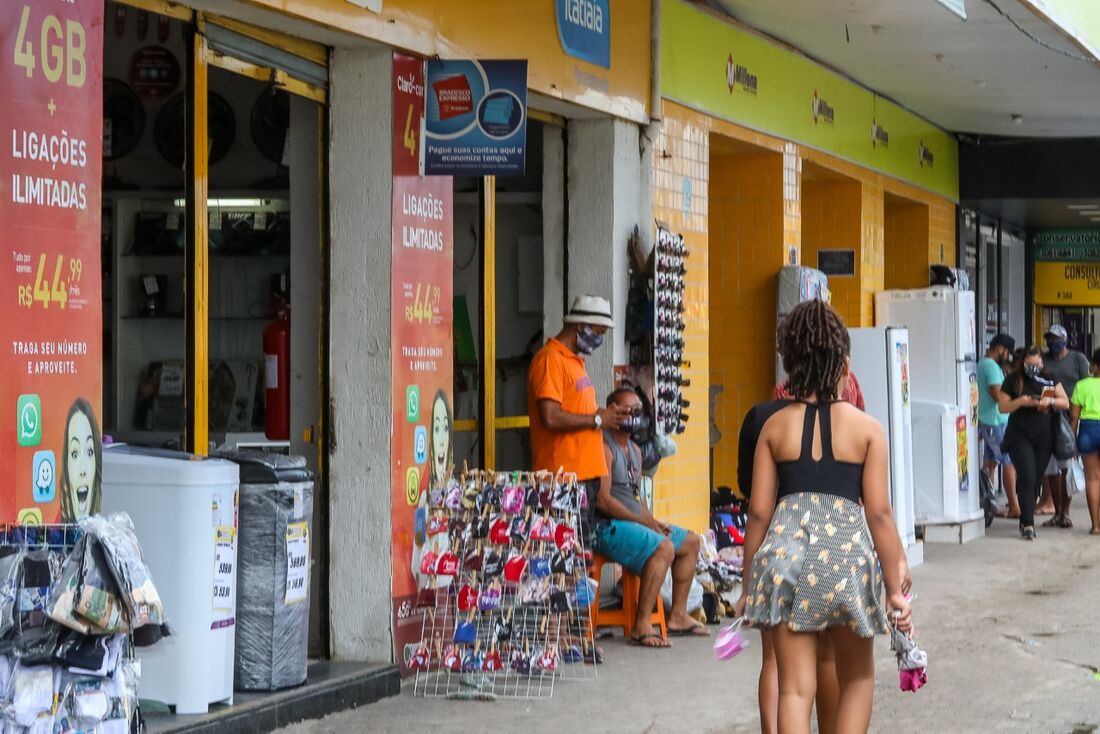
(730, 642)
(1065, 443)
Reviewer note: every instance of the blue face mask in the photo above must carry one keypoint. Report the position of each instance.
(588, 340)
(1056, 345)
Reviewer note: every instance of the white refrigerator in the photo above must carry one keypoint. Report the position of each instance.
(880, 361)
(942, 332)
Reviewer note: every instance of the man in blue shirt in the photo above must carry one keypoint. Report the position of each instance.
(991, 421)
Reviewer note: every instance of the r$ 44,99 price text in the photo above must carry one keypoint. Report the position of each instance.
(424, 304)
(53, 281)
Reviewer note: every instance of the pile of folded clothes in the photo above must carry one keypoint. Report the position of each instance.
(74, 601)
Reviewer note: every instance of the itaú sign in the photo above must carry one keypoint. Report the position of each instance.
(958, 7)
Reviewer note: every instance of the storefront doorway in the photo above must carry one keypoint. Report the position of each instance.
(214, 249)
(499, 289)
(831, 236)
(905, 243)
(746, 252)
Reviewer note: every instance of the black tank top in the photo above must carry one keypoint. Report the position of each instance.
(826, 475)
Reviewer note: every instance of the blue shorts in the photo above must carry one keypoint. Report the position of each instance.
(631, 544)
(1088, 437)
(994, 439)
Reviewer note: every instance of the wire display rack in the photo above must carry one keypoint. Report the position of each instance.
(25, 607)
(505, 587)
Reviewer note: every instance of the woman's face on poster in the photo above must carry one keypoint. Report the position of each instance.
(80, 464)
(441, 438)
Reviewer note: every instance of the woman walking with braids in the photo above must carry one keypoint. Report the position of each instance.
(810, 552)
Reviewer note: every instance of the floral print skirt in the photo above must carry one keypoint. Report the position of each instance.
(817, 569)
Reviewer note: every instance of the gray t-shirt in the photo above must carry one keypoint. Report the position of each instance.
(626, 473)
(1068, 370)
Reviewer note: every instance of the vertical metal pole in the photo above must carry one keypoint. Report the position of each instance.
(1000, 283)
(980, 287)
(196, 249)
(488, 191)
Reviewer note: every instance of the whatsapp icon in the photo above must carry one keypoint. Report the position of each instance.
(29, 417)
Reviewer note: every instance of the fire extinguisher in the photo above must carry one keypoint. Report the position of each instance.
(277, 375)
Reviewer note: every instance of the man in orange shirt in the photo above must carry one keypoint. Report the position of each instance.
(567, 424)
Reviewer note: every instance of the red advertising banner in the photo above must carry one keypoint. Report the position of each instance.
(408, 114)
(422, 374)
(51, 332)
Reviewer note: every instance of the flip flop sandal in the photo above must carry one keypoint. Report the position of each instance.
(467, 598)
(421, 659)
(696, 630)
(514, 567)
(640, 641)
(564, 536)
(593, 656)
(490, 598)
(513, 500)
(447, 565)
(1065, 522)
(1051, 523)
(466, 632)
(500, 531)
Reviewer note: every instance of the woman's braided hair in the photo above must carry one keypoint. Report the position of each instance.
(814, 345)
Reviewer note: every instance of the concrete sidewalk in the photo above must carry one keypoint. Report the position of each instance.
(1011, 629)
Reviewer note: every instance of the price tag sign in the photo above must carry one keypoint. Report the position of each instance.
(225, 568)
(297, 563)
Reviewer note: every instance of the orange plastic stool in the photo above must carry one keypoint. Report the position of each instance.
(626, 616)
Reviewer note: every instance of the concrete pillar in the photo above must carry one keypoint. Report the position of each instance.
(610, 193)
(553, 229)
(359, 353)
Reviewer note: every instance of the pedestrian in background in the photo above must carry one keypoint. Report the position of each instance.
(1029, 398)
(1085, 417)
(1066, 367)
(991, 421)
(807, 528)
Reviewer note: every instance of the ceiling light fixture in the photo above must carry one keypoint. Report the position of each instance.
(1082, 206)
(1017, 119)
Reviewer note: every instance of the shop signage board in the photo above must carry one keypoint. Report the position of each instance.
(584, 29)
(1067, 245)
(422, 369)
(475, 121)
(408, 114)
(471, 29)
(51, 334)
(733, 74)
(1067, 267)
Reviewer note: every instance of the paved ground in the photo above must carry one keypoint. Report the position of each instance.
(1012, 630)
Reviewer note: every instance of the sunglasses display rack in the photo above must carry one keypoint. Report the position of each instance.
(505, 588)
(669, 270)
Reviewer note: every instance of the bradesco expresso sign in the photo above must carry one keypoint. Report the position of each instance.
(1067, 267)
(51, 122)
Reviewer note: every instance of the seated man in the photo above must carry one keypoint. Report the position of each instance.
(628, 534)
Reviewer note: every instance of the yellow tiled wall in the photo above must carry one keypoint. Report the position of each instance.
(681, 154)
(740, 199)
(831, 221)
(906, 238)
(747, 244)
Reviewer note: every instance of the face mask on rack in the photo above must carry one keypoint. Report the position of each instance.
(588, 341)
